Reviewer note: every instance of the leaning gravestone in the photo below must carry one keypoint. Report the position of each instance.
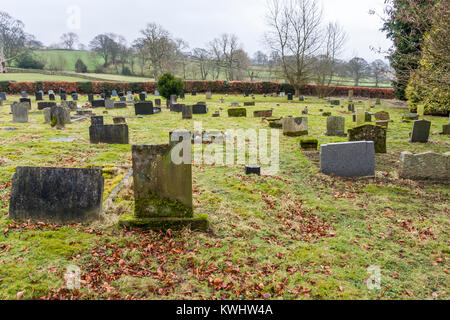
(336, 127)
(62, 116)
(56, 195)
(20, 112)
(421, 131)
(295, 127)
(72, 105)
(348, 159)
(425, 166)
(162, 190)
(186, 112)
(370, 132)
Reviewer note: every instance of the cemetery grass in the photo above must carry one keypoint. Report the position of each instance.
(295, 235)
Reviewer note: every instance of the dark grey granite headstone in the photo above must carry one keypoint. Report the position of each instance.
(421, 131)
(96, 120)
(348, 159)
(110, 134)
(51, 96)
(26, 100)
(46, 104)
(98, 103)
(120, 105)
(38, 96)
(249, 104)
(56, 195)
(144, 108)
(176, 107)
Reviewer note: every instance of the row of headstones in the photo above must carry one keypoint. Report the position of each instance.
(162, 191)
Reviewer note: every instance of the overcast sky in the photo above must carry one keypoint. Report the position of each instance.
(195, 21)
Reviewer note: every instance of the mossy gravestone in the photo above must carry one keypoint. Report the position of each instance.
(237, 112)
(336, 127)
(295, 127)
(56, 195)
(370, 132)
(162, 190)
(20, 112)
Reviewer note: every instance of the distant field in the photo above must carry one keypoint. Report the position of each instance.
(119, 78)
(31, 77)
(71, 56)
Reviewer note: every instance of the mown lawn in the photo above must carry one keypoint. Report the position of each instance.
(295, 235)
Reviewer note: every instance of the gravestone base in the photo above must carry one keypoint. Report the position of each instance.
(197, 223)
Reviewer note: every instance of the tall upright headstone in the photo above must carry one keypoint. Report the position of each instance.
(421, 131)
(20, 112)
(336, 126)
(360, 116)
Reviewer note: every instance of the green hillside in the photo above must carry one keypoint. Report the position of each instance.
(71, 56)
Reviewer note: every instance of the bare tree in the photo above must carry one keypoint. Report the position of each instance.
(225, 50)
(102, 45)
(68, 40)
(326, 63)
(295, 30)
(203, 59)
(358, 68)
(378, 70)
(14, 41)
(182, 55)
(160, 49)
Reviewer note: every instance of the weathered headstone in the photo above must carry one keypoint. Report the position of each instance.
(425, 166)
(237, 112)
(62, 116)
(20, 112)
(360, 116)
(382, 116)
(370, 132)
(209, 95)
(173, 99)
(295, 127)
(72, 105)
(235, 104)
(348, 159)
(27, 101)
(309, 144)
(56, 195)
(109, 104)
(350, 95)
(47, 115)
(336, 127)
(263, 114)
(162, 190)
(421, 131)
